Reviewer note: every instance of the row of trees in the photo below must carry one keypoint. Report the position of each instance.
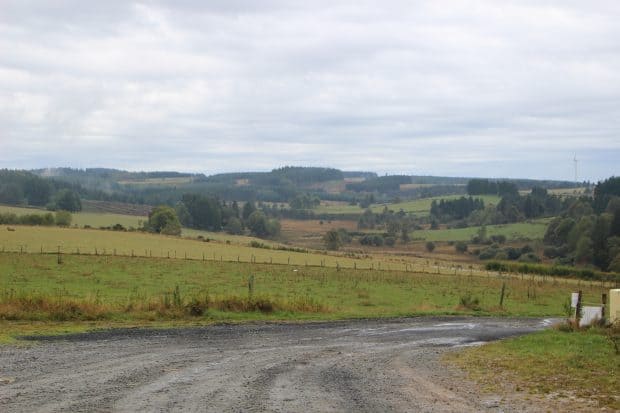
(60, 218)
(487, 187)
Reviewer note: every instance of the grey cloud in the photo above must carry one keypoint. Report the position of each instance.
(478, 88)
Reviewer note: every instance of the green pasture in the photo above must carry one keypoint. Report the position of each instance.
(420, 207)
(533, 230)
(581, 364)
(90, 241)
(93, 219)
(119, 281)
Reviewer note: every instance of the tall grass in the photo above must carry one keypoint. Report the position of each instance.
(169, 305)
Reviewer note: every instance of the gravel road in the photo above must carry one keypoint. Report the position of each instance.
(361, 366)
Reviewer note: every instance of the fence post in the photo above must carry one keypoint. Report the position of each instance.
(501, 297)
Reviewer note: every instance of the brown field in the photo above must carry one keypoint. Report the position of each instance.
(116, 208)
(309, 233)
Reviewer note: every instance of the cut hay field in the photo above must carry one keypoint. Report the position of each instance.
(85, 241)
(36, 287)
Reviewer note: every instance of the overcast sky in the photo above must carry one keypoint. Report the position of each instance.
(459, 88)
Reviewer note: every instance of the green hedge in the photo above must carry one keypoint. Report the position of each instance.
(555, 270)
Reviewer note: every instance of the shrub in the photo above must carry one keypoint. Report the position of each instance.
(488, 253)
(430, 246)
(460, 247)
(470, 302)
(499, 239)
(529, 257)
(63, 218)
(512, 253)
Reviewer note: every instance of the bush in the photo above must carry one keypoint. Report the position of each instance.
(390, 241)
(526, 249)
(500, 239)
(430, 246)
(460, 247)
(488, 253)
(470, 302)
(234, 226)
(63, 218)
(512, 253)
(551, 252)
(501, 255)
(377, 240)
(529, 257)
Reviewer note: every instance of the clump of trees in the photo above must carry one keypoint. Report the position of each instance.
(210, 214)
(453, 209)
(588, 232)
(163, 220)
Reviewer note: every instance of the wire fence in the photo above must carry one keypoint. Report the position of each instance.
(313, 260)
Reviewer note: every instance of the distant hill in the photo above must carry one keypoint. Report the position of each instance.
(39, 186)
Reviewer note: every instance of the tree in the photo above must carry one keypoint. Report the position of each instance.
(248, 209)
(584, 251)
(206, 212)
(67, 200)
(262, 227)
(185, 217)
(163, 219)
(404, 235)
(460, 247)
(234, 226)
(257, 223)
(430, 246)
(332, 240)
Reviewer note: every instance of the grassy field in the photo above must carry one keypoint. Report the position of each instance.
(420, 207)
(85, 241)
(94, 219)
(555, 364)
(177, 180)
(107, 289)
(519, 231)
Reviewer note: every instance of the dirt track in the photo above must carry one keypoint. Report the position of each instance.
(372, 366)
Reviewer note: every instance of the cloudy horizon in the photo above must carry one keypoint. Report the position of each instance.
(478, 88)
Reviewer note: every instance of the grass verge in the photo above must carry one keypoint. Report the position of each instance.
(577, 366)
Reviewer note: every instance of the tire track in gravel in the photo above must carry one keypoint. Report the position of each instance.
(362, 366)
